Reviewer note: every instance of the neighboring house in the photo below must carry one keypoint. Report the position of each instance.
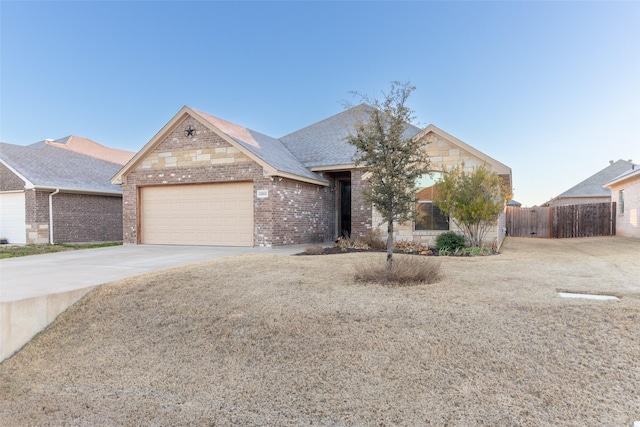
(90, 148)
(204, 181)
(52, 193)
(625, 192)
(591, 190)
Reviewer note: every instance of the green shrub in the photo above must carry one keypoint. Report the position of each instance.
(450, 241)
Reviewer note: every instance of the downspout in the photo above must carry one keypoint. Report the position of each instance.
(51, 215)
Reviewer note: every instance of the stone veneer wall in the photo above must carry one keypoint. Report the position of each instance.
(361, 209)
(84, 218)
(37, 216)
(293, 212)
(443, 155)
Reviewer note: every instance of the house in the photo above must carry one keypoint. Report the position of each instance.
(60, 192)
(91, 148)
(591, 190)
(202, 180)
(625, 192)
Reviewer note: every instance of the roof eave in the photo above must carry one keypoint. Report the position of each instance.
(334, 168)
(295, 177)
(622, 179)
(76, 190)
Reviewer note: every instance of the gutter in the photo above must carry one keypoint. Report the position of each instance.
(75, 190)
(51, 215)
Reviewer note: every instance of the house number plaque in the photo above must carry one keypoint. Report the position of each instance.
(262, 194)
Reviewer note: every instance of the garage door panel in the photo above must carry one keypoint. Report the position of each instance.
(13, 217)
(208, 214)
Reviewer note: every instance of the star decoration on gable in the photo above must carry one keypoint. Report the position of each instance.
(189, 131)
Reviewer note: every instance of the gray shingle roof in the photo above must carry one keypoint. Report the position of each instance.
(270, 150)
(41, 144)
(46, 166)
(324, 143)
(592, 186)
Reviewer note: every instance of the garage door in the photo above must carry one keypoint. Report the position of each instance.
(12, 217)
(204, 214)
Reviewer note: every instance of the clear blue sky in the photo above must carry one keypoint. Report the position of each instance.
(552, 89)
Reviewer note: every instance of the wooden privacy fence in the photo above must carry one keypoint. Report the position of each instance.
(594, 219)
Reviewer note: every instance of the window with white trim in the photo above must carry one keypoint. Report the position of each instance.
(621, 202)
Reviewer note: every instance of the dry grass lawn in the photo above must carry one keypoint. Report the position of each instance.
(271, 340)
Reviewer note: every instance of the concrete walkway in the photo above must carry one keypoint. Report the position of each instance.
(37, 275)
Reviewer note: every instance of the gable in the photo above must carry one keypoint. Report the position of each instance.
(208, 134)
(447, 151)
(10, 180)
(176, 150)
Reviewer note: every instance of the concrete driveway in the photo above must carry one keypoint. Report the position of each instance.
(37, 275)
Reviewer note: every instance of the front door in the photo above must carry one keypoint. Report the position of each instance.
(344, 208)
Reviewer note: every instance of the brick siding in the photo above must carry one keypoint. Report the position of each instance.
(628, 222)
(37, 216)
(81, 218)
(9, 181)
(293, 212)
(78, 218)
(302, 213)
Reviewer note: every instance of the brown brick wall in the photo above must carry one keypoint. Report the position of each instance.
(9, 181)
(293, 212)
(302, 213)
(78, 218)
(37, 216)
(175, 161)
(86, 218)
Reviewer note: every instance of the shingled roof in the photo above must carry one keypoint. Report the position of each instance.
(271, 150)
(90, 148)
(593, 186)
(324, 144)
(46, 166)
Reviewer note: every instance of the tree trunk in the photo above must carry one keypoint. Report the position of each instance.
(389, 244)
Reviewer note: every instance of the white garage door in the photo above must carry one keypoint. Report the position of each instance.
(203, 214)
(12, 217)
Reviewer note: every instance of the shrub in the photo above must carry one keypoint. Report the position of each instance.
(406, 271)
(373, 239)
(411, 247)
(450, 241)
(314, 250)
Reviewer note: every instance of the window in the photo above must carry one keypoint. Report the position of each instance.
(621, 202)
(428, 216)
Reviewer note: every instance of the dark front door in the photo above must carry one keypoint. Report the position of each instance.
(344, 208)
